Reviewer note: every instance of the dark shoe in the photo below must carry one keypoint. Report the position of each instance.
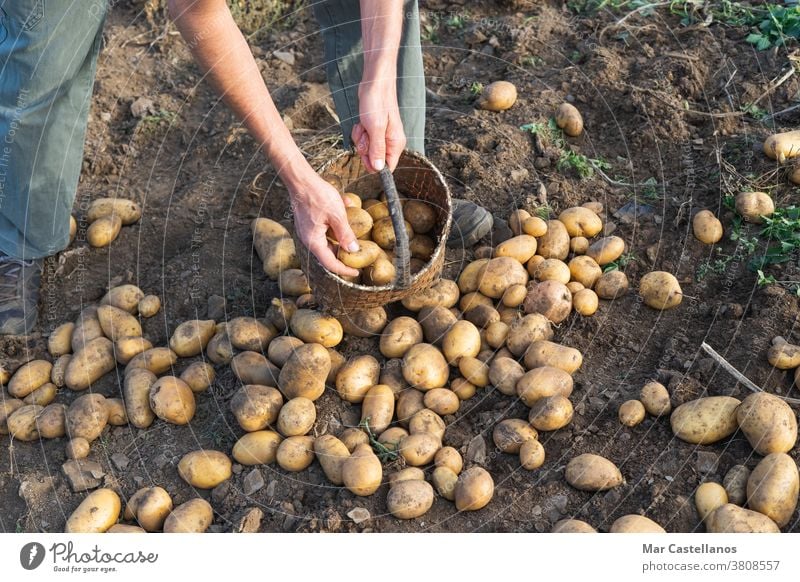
(470, 224)
(19, 294)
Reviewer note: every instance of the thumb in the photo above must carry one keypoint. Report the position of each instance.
(377, 151)
(343, 233)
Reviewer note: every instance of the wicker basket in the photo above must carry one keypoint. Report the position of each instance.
(416, 177)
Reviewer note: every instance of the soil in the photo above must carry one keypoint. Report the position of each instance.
(201, 180)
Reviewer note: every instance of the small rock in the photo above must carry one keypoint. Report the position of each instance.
(160, 461)
(706, 462)
(220, 492)
(120, 461)
(289, 522)
(284, 56)
(253, 482)
(237, 469)
(541, 163)
(216, 307)
(33, 492)
(249, 521)
(500, 230)
(519, 174)
(476, 450)
(82, 474)
(359, 515)
(142, 107)
(105, 116)
(271, 488)
(332, 520)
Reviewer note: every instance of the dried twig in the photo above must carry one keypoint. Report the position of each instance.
(775, 84)
(741, 378)
(622, 20)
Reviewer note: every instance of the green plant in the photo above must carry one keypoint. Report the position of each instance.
(621, 262)
(764, 280)
(384, 453)
(650, 189)
(476, 88)
(455, 21)
(782, 234)
(257, 17)
(779, 24)
(545, 211)
(582, 165)
(430, 30)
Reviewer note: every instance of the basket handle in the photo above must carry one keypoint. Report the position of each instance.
(402, 253)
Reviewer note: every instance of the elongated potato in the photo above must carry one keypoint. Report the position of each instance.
(469, 278)
(103, 231)
(149, 306)
(606, 250)
(293, 282)
(655, 398)
(784, 356)
(474, 489)
(117, 323)
(419, 448)
(462, 340)
(425, 367)
(504, 374)
(442, 401)
(274, 246)
(709, 497)
(551, 413)
(21, 423)
(509, 434)
(637, 524)
(149, 506)
(590, 472)
(780, 146)
(706, 227)
(127, 348)
(315, 327)
(399, 335)
(420, 214)
(257, 448)
(410, 499)
(705, 420)
(96, 513)
(572, 526)
(768, 422)
(117, 415)
(735, 484)
(156, 360)
(569, 119)
(547, 353)
(585, 270)
(305, 372)
(362, 472)
(331, 454)
(532, 328)
(60, 341)
(356, 377)
(125, 297)
(43, 395)
(59, 371)
(443, 293)
(531, 455)
(194, 516)
(90, 364)
(191, 337)
(445, 480)
(543, 382)
(172, 400)
(255, 368)
(136, 394)
(521, 247)
(580, 221)
(7, 407)
(611, 285)
(554, 244)
(378, 408)
(256, 407)
(87, 416)
(733, 519)
(205, 469)
(128, 211)
(409, 403)
(29, 377)
(87, 328)
(773, 487)
(660, 290)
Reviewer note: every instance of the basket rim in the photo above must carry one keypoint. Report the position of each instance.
(441, 248)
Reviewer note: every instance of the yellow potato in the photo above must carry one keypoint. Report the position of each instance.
(198, 376)
(660, 290)
(377, 209)
(305, 372)
(735, 484)
(794, 175)
(472, 300)
(552, 270)
(521, 247)
(274, 246)
(293, 282)
(606, 250)
(531, 455)
(21, 424)
(149, 306)
(585, 302)
(420, 214)
(364, 322)
(445, 480)
(362, 472)
(549, 298)
(281, 348)
(706, 227)
(128, 211)
(60, 341)
(504, 373)
(655, 398)
(331, 454)
(297, 417)
(784, 355)
(194, 516)
(117, 415)
(255, 407)
(356, 377)
(381, 272)
(296, 453)
(631, 413)
(754, 206)
(427, 422)
(391, 437)
(96, 513)
(103, 231)
(29, 377)
(474, 489)
(534, 226)
(706, 420)
(425, 368)
(420, 448)
(569, 119)
(191, 337)
(780, 146)
(123, 528)
(7, 407)
(149, 507)
(51, 423)
(172, 400)
(499, 274)
(585, 270)
(542, 382)
(377, 408)
(509, 434)
(409, 499)
(315, 327)
(547, 353)
(254, 368)
(514, 295)
(496, 334)
(117, 323)
(78, 448)
(249, 333)
(409, 403)
(578, 245)
(572, 526)
(516, 220)
(580, 221)
(497, 96)
(636, 524)
(205, 469)
(59, 372)
(136, 393)
(352, 437)
(442, 293)
(611, 285)
(5, 374)
(449, 457)
(733, 519)
(442, 401)
(422, 247)
(87, 328)
(87, 416)
(156, 360)
(73, 228)
(469, 278)
(127, 348)
(554, 244)
(773, 487)
(436, 322)
(551, 413)
(709, 497)
(257, 448)
(383, 233)
(768, 422)
(474, 371)
(462, 340)
(532, 328)
(399, 336)
(125, 297)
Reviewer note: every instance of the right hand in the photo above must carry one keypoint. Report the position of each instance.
(318, 206)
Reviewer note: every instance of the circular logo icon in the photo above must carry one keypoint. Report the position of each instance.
(31, 555)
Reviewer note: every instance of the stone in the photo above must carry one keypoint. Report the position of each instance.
(271, 488)
(220, 492)
(476, 450)
(501, 232)
(83, 475)
(215, 307)
(143, 107)
(284, 56)
(249, 520)
(359, 515)
(253, 482)
(120, 461)
(706, 462)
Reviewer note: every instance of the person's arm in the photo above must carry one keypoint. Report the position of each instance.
(379, 135)
(222, 52)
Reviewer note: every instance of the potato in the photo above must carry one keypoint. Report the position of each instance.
(474, 371)
(60, 341)
(611, 285)
(709, 497)
(157, 360)
(531, 455)
(191, 337)
(172, 400)
(87, 416)
(29, 377)
(5, 374)
(549, 298)
(59, 371)
(754, 206)
(256, 448)
(87, 328)
(735, 483)
(580, 221)
(127, 348)
(606, 250)
(534, 226)
(733, 519)
(636, 524)
(21, 424)
(356, 377)
(504, 373)
(509, 434)
(706, 227)
(547, 353)
(578, 245)
(514, 295)
(383, 233)
(550, 270)
(281, 348)
(543, 382)
(496, 334)
(297, 417)
(149, 306)
(655, 398)
(128, 211)
(550, 413)
(585, 302)
(136, 394)
(294, 282)
(352, 437)
(521, 247)
(409, 403)
(149, 506)
(254, 368)
(73, 228)
(435, 321)
(474, 489)
(399, 335)
(420, 214)
(442, 401)
(377, 209)
(469, 278)
(381, 272)
(572, 526)
(660, 290)
(280, 312)
(96, 513)
(482, 315)
(360, 221)
(768, 422)
(585, 270)
(425, 368)
(443, 293)
(444, 480)
(331, 454)
(117, 416)
(255, 407)
(705, 420)
(780, 146)
(794, 175)
(296, 453)
(248, 333)
(462, 340)
(497, 96)
(378, 407)
(499, 274)
(125, 297)
(362, 472)
(391, 437)
(531, 328)
(205, 469)
(427, 422)
(418, 449)
(51, 423)
(103, 231)
(194, 516)
(516, 220)
(773, 487)
(509, 315)
(422, 247)
(569, 119)
(351, 199)
(78, 448)
(274, 246)
(364, 322)
(472, 300)
(7, 407)
(409, 499)
(784, 356)
(554, 244)
(198, 376)
(449, 457)
(305, 372)
(631, 413)
(315, 327)
(117, 323)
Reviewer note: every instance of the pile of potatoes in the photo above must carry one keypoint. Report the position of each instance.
(106, 217)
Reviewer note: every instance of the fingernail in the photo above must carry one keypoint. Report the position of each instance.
(353, 247)
(378, 164)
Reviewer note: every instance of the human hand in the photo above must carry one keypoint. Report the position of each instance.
(379, 137)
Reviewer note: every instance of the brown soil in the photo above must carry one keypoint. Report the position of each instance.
(201, 180)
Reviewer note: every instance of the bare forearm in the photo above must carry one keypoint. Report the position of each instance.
(382, 29)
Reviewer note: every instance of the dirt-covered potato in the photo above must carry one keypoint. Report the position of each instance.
(257, 448)
(427, 422)
(96, 513)
(280, 312)
(449, 457)
(547, 353)
(294, 282)
(578, 245)
(706, 227)
(60, 341)
(127, 348)
(469, 278)
(296, 417)
(149, 507)
(280, 349)
(585, 302)
(128, 211)
(352, 437)
(419, 449)
(509, 315)
(156, 360)
(399, 335)
(391, 437)
(136, 393)
(445, 480)
(436, 322)
(541, 383)
(572, 526)
(472, 300)
(532, 328)
(377, 407)
(364, 322)
(497, 96)
(442, 401)
(274, 246)
(125, 297)
(580, 221)
(754, 206)
(606, 250)
(474, 489)
(315, 327)
(444, 293)
(569, 119)
(482, 315)
(496, 334)
(356, 377)
(89, 364)
(534, 226)
(521, 247)
(7, 407)
(425, 368)
(735, 484)
(794, 175)
(590, 472)
(78, 448)
(51, 422)
(631, 413)
(409, 403)
(554, 244)
(708, 497)
(362, 471)
(655, 398)
(549, 270)
(383, 233)
(117, 323)
(73, 229)
(420, 214)
(194, 516)
(172, 400)
(331, 454)
(611, 285)
(21, 423)
(29, 377)
(780, 146)
(773, 487)
(255, 368)
(462, 340)
(191, 337)
(407, 474)
(660, 290)
(87, 328)
(499, 274)
(768, 422)
(103, 231)
(249, 333)
(149, 306)
(381, 272)
(305, 372)
(636, 524)
(296, 453)
(474, 371)
(409, 499)
(585, 270)
(509, 434)
(87, 416)
(516, 219)
(531, 455)
(783, 355)
(205, 468)
(551, 413)
(422, 247)
(59, 372)
(733, 519)
(705, 420)
(255, 407)
(117, 415)
(504, 374)
(549, 298)
(514, 295)
(5, 374)
(198, 376)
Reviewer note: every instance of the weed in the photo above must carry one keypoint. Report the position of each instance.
(582, 165)
(621, 262)
(774, 28)
(650, 189)
(532, 61)
(547, 131)
(456, 21)
(545, 211)
(476, 88)
(257, 17)
(384, 453)
(764, 280)
(430, 30)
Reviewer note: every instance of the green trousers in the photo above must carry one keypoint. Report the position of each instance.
(48, 54)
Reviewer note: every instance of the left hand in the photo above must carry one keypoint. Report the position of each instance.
(379, 137)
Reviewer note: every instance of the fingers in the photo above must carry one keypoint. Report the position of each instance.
(377, 147)
(328, 260)
(360, 139)
(395, 144)
(343, 233)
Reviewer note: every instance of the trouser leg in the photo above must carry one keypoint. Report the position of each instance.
(48, 53)
(340, 21)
